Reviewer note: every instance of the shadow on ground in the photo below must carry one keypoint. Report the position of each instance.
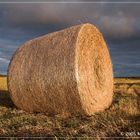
(5, 99)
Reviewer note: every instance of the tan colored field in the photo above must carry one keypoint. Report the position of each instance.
(3, 83)
(122, 119)
(127, 80)
(127, 85)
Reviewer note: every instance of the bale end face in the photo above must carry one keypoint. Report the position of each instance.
(94, 68)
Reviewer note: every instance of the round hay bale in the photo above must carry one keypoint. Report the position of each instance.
(68, 72)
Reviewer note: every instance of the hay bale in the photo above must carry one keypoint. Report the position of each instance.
(68, 72)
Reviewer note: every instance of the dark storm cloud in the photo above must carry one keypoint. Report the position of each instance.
(119, 24)
(117, 21)
(125, 57)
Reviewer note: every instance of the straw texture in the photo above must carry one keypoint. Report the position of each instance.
(68, 72)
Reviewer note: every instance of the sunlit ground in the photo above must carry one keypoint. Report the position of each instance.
(122, 119)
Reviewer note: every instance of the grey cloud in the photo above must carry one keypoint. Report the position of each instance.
(4, 60)
(116, 21)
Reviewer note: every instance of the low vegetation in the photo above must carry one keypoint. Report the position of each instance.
(122, 119)
(3, 82)
(127, 85)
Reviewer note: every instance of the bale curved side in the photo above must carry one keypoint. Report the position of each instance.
(42, 74)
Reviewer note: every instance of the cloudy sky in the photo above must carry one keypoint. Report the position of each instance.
(119, 23)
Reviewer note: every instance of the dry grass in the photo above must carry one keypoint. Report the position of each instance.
(3, 82)
(119, 120)
(127, 85)
(133, 80)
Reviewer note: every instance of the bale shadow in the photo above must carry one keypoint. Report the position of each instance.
(5, 99)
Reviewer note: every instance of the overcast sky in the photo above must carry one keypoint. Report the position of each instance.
(119, 23)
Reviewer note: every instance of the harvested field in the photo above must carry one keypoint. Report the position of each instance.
(3, 82)
(122, 119)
